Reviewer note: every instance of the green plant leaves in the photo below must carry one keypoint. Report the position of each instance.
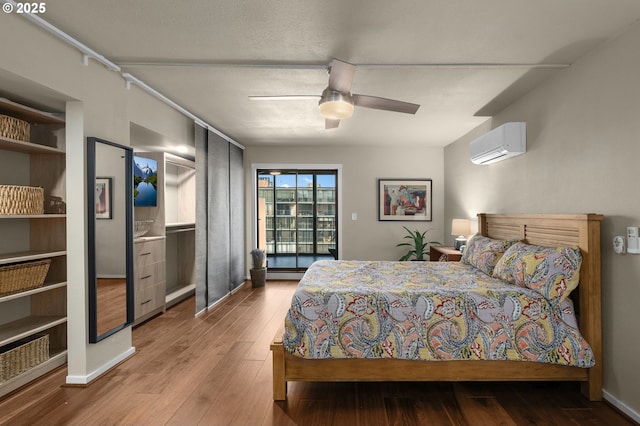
(418, 244)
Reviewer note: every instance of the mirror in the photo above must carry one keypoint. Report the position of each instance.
(110, 219)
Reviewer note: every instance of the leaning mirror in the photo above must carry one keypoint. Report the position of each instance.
(110, 251)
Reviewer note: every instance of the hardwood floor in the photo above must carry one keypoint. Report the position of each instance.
(216, 370)
(111, 303)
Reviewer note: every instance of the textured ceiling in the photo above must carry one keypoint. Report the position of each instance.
(462, 60)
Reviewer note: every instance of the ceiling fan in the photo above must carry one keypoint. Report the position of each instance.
(337, 103)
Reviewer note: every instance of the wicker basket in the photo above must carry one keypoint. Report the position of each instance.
(21, 200)
(23, 355)
(13, 128)
(25, 276)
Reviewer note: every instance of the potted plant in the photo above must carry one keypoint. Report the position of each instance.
(258, 268)
(418, 244)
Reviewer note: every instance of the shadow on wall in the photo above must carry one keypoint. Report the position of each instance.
(557, 61)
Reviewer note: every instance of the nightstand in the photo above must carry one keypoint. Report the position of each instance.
(444, 254)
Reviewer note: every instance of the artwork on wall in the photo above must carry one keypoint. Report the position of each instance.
(404, 199)
(145, 178)
(103, 198)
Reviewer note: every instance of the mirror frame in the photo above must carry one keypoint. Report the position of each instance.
(91, 219)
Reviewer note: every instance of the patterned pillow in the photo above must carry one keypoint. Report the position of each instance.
(551, 271)
(483, 252)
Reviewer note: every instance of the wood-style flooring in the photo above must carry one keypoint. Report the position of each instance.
(216, 370)
(111, 304)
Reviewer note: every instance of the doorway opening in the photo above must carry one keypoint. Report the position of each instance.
(297, 217)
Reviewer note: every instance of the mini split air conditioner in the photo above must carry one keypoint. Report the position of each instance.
(503, 142)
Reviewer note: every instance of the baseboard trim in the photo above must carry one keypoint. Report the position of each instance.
(85, 380)
(240, 287)
(213, 305)
(621, 406)
(222, 299)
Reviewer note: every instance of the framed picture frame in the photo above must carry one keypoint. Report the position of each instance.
(104, 209)
(404, 199)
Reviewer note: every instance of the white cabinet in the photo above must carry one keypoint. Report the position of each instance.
(40, 162)
(149, 277)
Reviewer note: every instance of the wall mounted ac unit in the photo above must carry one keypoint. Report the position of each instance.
(503, 142)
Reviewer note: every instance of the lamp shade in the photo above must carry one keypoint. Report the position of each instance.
(460, 227)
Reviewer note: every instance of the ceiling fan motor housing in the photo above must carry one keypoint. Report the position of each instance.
(335, 105)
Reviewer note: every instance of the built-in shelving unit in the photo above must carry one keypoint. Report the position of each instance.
(41, 163)
(183, 283)
(174, 229)
(180, 227)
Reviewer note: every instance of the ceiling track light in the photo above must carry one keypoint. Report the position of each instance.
(89, 53)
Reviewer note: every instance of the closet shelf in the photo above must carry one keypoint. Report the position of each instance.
(27, 147)
(180, 293)
(180, 227)
(57, 358)
(25, 327)
(29, 114)
(38, 162)
(45, 287)
(24, 256)
(150, 238)
(34, 216)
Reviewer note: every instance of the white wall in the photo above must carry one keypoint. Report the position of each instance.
(43, 69)
(583, 140)
(366, 237)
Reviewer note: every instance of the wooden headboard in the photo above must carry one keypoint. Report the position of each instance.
(554, 230)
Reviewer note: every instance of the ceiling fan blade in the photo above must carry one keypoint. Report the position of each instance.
(331, 124)
(341, 75)
(284, 98)
(384, 104)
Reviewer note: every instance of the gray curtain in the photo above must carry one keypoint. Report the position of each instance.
(236, 215)
(219, 218)
(202, 224)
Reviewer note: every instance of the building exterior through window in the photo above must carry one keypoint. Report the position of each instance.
(297, 217)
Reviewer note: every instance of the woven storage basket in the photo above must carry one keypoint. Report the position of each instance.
(19, 277)
(13, 128)
(23, 355)
(21, 200)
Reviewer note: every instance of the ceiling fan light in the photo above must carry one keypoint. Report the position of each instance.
(335, 105)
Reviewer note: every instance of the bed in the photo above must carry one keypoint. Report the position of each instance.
(296, 359)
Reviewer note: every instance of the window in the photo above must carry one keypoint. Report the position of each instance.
(299, 213)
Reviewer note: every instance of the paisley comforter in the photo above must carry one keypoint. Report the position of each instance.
(427, 311)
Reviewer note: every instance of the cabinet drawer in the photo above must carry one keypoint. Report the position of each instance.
(149, 299)
(147, 252)
(149, 275)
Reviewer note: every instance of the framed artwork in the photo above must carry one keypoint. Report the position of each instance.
(145, 182)
(103, 198)
(404, 199)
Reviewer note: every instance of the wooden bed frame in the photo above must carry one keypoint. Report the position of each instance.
(548, 230)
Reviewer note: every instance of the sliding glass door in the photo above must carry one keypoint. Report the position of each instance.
(297, 217)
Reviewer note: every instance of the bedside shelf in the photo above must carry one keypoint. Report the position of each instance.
(444, 254)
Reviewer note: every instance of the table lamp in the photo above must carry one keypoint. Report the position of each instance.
(461, 228)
